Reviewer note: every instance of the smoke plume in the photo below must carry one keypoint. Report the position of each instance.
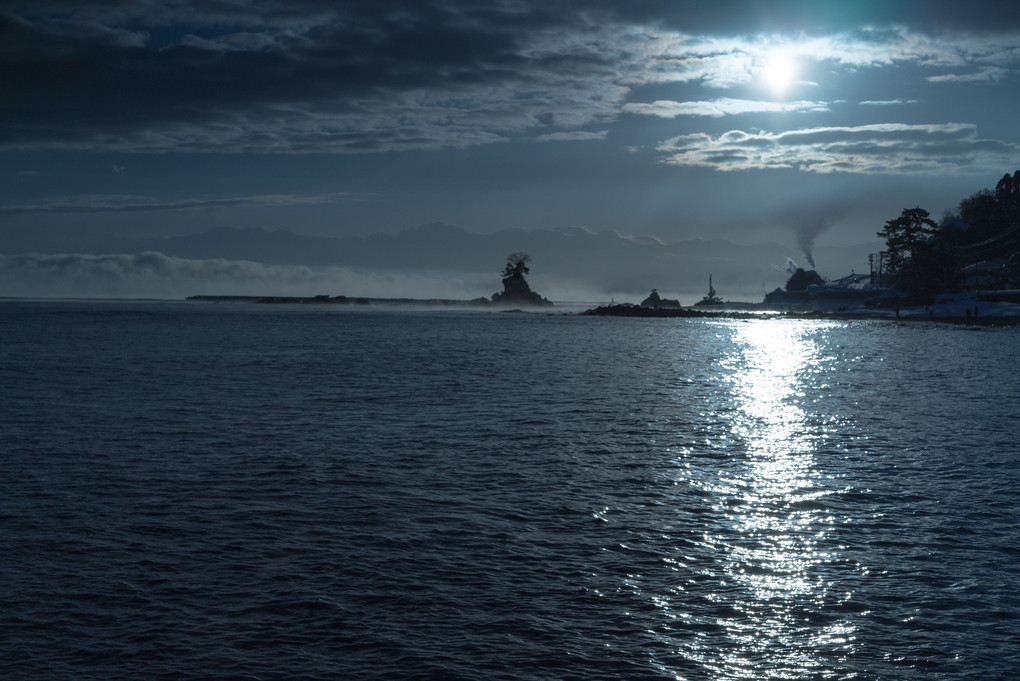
(810, 220)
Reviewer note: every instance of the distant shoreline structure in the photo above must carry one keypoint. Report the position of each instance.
(878, 315)
(806, 296)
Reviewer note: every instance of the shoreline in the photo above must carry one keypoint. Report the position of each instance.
(886, 315)
(911, 315)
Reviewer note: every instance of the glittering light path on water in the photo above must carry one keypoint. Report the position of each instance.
(763, 608)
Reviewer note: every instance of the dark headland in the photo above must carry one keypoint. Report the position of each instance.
(807, 296)
(963, 269)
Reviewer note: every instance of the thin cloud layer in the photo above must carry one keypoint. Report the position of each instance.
(718, 108)
(990, 74)
(867, 149)
(574, 136)
(138, 204)
(889, 102)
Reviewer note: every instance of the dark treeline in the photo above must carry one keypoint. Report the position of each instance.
(975, 246)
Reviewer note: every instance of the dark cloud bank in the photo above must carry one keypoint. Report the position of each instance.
(314, 76)
(293, 77)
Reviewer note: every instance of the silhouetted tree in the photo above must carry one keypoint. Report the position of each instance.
(904, 234)
(989, 213)
(922, 263)
(1007, 191)
(1007, 195)
(515, 286)
(980, 211)
(516, 264)
(992, 220)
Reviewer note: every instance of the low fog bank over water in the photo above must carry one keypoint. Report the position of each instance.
(154, 275)
(424, 263)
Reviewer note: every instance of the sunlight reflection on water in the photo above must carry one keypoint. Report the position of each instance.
(770, 528)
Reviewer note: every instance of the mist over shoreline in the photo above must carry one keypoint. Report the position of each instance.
(431, 261)
(157, 275)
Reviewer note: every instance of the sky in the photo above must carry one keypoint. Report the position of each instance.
(805, 124)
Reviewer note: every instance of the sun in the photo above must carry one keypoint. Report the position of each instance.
(779, 72)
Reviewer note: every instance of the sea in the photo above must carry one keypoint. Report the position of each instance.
(255, 492)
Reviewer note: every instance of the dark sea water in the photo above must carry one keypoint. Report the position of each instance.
(193, 491)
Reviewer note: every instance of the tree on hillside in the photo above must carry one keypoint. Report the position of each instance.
(516, 264)
(1007, 195)
(989, 213)
(980, 212)
(990, 230)
(921, 263)
(904, 234)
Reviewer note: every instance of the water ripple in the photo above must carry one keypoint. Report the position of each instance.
(251, 493)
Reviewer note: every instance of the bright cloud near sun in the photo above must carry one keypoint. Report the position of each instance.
(723, 106)
(884, 149)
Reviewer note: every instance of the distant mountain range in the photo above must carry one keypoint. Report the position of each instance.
(575, 258)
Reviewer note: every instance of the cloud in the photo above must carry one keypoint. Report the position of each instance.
(741, 16)
(889, 102)
(364, 77)
(730, 61)
(358, 78)
(891, 148)
(575, 136)
(990, 74)
(234, 42)
(107, 203)
(717, 108)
